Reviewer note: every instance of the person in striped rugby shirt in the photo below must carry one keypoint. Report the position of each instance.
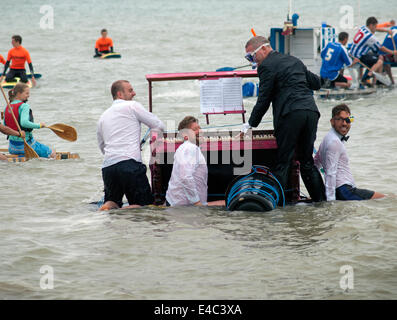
(366, 47)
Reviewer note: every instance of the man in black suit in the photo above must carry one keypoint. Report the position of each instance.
(287, 84)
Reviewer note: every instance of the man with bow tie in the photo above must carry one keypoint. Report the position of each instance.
(332, 157)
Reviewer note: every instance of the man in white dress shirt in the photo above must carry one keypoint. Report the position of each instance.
(188, 182)
(119, 135)
(332, 157)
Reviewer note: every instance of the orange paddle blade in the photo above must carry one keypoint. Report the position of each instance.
(64, 131)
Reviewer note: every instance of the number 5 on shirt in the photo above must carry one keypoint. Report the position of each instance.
(328, 56)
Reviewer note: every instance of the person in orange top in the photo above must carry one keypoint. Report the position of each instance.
(104, 44)
(388, 24)
(18, 55)
(2, 60)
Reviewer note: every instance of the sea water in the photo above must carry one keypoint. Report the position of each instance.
(55, 245)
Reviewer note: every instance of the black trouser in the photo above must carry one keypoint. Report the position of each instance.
(127, 178)
(297, 132)
(21, 73)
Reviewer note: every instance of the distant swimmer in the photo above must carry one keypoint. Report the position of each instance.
(188, 182)
(2, 60)
(335, 58)
(332, 157)
(18, 55)
(103, 45)
(21, 109)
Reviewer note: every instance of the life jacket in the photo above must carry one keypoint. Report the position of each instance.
(9, 120)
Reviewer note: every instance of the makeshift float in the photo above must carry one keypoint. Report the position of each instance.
(18, 158)
(237, 168)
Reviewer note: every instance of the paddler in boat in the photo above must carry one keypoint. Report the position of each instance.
(18, 55)
(334, 59)
(103, 45)
(18, 97)
(366, 48)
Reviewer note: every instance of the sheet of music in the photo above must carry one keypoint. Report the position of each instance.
(232, 94)
(219, 95)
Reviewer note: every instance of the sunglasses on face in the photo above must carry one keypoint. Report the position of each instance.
(250, 56)
(348, 119)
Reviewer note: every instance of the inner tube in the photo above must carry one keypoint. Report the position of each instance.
(258, 191)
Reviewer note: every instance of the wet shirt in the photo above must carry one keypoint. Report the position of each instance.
(119, 131)
(332, 157)
(18, 57)
(103, 44)
(363, 42)
(335, 57)
(188, 182)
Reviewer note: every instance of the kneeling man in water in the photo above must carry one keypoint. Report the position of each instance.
(188, 182)
(332, 157)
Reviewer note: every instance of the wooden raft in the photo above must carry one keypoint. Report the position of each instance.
(59, 156)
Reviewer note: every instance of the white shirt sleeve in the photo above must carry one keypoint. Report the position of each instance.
(101, 143)
(331, 163)
(148, 118)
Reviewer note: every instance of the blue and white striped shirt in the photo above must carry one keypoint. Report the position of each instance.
(363, 42)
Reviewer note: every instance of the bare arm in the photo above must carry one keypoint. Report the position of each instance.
(10, 132)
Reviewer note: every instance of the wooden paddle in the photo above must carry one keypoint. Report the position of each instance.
(385, 80)
(64, 131)
(29, 152)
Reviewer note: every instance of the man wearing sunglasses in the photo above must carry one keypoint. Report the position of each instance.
(332, 157)
(285, 82)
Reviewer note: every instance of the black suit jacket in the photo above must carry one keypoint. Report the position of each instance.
(285, 81)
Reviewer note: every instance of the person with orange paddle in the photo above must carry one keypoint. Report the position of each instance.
(21, 110)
